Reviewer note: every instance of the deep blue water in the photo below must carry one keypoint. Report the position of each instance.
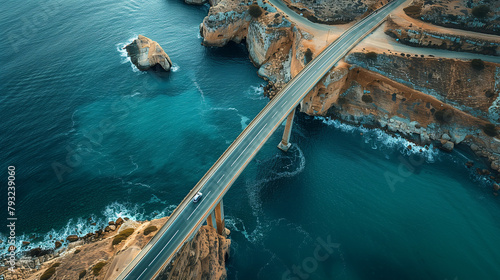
(133, 144)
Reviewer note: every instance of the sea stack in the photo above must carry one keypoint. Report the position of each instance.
(147, 54)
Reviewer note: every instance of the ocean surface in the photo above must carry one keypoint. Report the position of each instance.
(92, 137)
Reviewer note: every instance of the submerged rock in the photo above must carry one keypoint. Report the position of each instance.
(147, 54)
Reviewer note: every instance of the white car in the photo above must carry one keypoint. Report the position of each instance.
(197, 197)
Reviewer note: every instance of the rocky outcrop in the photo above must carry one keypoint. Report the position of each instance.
(95, 256)
(413, 35)
(333, 11)
(201, 258)
(147, 54)
(460, 14)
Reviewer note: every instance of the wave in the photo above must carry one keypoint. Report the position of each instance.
(175, 67)
(255, 92)
(381, 139)
(81, 226)
(244, 121)
(120, 47)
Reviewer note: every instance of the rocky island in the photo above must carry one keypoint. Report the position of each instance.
(147, 54)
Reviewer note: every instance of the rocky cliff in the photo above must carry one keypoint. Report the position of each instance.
(429, 100)
(105, 253)
(426, 100)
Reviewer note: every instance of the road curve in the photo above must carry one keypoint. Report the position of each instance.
(188, 216)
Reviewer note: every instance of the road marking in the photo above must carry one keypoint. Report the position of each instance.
(162, 249)
(197, 206)
(248, 144)
(142, 272)
(284, 103)
(274, 114)
(221, 178)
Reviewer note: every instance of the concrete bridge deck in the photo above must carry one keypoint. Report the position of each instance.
(188, 217)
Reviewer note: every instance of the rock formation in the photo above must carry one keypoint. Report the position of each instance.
(147, 54)
(94, 256)
(201, 258)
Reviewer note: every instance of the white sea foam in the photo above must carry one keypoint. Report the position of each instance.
(120, 47)
(81, 225)
(244, 121)
(379, 138)
(175, 67)
(255, 92)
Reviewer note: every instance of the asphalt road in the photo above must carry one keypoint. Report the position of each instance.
(188, 216)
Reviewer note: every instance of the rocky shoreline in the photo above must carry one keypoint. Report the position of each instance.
(103, 254)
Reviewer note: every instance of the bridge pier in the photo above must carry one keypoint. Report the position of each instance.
(210, 220)
(219, 218)
(285, 144)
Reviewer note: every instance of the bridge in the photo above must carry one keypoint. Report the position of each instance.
(188, 217)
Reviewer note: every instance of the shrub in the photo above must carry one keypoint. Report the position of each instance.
(123, 235)
(367, 98)
(82, 274)
(477, 64)
(371, 55)
(490, 130)
(480, 11)
(97, 268)
(48, 273)
(150, 229)
(254, 10)
(308, 56)
(443, 115)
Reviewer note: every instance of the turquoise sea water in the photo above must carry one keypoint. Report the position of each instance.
(133, 144)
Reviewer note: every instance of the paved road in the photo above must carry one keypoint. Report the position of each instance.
(188, 216)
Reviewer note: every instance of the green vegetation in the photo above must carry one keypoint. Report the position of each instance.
(490, 130)
(82, 274)
(367, 98)
(477, 64)
(150, 229)
(123, 235)
(480, 11)
(254, 10)
(371, 55)
(48, 273)
(308, 56)
(443, 115)
(97, 268)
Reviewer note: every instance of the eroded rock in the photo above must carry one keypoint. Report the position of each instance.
(147, 54)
